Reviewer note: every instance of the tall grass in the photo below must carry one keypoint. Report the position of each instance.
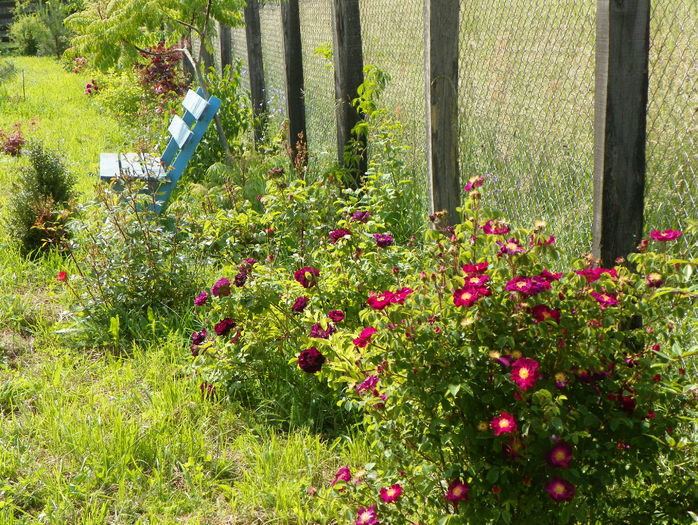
(88, 436)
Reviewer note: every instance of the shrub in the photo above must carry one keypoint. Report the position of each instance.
(495, 389)
(39, 29)
(26, 33)
(130, 266)
(37, 211)
(11, 142)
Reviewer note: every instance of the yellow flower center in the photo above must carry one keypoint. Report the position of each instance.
(560, 376)
(466, 296)
(475, 280)
(524, 373)
(521, 284)
(655, 276)
(512, 246)
(559, 489)
(605, 297)
(391, 492)
(504, 423)
(457, 491)
(559, 455)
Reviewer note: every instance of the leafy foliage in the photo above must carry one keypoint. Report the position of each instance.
(109, 31)
(36, 213)
(130, 266)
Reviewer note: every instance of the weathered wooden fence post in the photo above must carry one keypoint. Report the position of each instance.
(348, 76)
(622, 56)
(226, 45)
(293, 51)
(441, 58)
(255, 67)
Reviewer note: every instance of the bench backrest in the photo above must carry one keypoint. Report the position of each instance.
(186, 132)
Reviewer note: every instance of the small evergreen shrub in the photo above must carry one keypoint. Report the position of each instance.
(38, 206)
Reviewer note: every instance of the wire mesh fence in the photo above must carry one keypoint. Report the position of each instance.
(526, 85)
(526, 111)
(672, 119)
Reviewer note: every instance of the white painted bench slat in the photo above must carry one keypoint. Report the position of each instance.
(179, 130)
(194, 104)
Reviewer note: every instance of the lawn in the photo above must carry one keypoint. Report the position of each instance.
(122, 435)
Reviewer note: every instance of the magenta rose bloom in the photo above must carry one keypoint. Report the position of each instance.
(560, 489)
(339, 234)
(198, 338)
(524, 372)
(221, 288)
(360, 216)
(493, 227)
(368, 384)
(224, 326)
(593, 274)
(542, 313)
(549, 276)
(391, 494)
(476, 280)
(383, 240)
(343, 474)
(457, 492)
(335, 316)
(378, 302)
(400, 295)
(605, 299)
(307, 277)
(654, 280)
(365, 337)
(468, 295)
(474, 182)
(478, 268)
(510, 247)
(665, 235)
(560, 455)
(311, 360)
(240, 278)
(201, 299)
(367, 516)
(322, 333)
(299, 304)
(503, 424)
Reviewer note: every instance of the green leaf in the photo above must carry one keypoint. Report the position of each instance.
(454, 389)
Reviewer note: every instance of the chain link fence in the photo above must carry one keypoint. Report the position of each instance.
(526, 100)
(672, 118)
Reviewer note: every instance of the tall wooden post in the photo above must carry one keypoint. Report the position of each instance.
(622, 56)
(293, 52)
(226, 45)
(255, 67)
(348, 76)
(441, 50)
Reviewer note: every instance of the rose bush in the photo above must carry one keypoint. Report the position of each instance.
(495, 388)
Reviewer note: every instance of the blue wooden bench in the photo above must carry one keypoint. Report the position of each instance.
(162, 173)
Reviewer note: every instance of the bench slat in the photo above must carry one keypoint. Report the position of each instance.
(179, 130)
(194, 104)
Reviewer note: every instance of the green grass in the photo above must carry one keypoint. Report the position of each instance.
(94, 437)
(51, 106)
